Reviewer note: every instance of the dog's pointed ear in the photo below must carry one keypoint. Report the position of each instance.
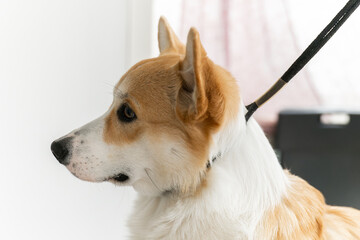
(192, 97)
(168, 41)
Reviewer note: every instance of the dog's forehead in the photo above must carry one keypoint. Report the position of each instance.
(150, 79)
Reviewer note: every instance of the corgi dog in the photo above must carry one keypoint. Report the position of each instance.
(176, 132)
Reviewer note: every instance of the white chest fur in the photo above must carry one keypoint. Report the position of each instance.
(192, 218)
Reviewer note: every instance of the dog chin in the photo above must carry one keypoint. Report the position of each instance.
(81, 175)
(117, 179)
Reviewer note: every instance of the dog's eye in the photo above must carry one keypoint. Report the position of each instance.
(126, 114)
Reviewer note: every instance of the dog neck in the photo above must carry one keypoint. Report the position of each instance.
(242, 158)
(240, 186)
(249, 163)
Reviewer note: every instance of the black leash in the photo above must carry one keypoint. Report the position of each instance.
(305, 57)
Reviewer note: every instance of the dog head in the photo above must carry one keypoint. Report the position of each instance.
(157, 134)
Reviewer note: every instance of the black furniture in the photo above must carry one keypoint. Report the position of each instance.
(327, 155)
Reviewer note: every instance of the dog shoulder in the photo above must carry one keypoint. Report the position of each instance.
(303, 214)
(299, 215)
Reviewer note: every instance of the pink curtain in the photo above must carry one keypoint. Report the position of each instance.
(255, 41)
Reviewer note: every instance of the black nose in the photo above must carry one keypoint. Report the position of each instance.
(60, 150)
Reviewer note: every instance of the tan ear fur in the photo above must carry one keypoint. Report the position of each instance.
(192, 99)
(168, 41)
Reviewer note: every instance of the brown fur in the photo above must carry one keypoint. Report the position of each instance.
(303, 214)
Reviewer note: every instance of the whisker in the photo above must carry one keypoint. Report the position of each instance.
(146, 170)
(177, 153)
(109, 84)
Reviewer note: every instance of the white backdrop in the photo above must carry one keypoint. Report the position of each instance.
(58, 63)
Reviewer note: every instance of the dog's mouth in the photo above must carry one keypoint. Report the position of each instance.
(120, 178)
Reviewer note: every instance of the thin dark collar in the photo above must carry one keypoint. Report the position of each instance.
(172, 191)
(213, 159)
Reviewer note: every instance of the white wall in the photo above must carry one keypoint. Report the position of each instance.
(58, 63)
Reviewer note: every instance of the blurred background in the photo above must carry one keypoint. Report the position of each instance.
(59, 61)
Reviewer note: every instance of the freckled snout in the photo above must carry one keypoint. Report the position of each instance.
(60, 149)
